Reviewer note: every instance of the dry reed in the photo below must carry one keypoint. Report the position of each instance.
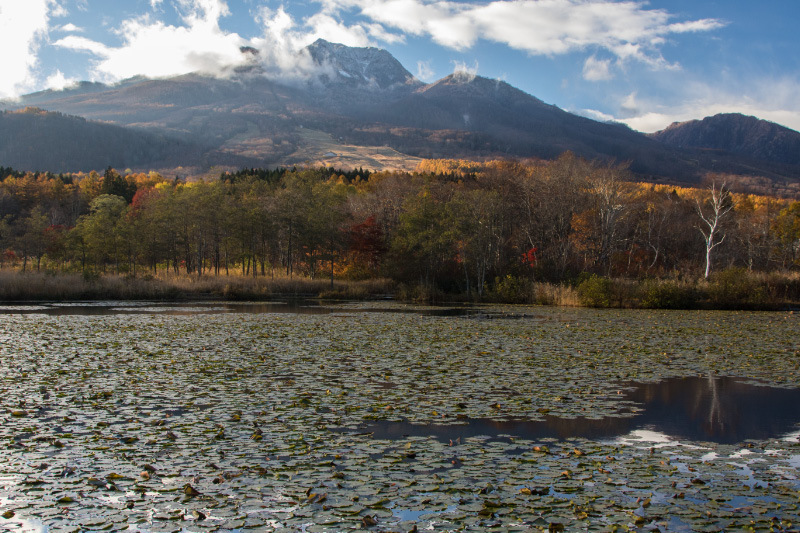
(18, 286)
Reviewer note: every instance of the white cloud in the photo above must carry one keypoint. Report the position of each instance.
(156, 49)
(282, 44)
(23, 25)
(626, 29)
(463, 72)
(59, 81)
(203, 11)
(594, 114)
(696, 26)
(424, 71)
(629, 104)
(327, 27)
(83, 44)
(58, 10)
(69, 28)
(597, 69)
(379, 32)
(773, 100)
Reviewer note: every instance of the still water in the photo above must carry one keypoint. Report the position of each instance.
(710, 408)
(294, 306)
(297, 416)
(722, 410)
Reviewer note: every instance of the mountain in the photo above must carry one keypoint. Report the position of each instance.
(361, 107)
(359, 66)
(33, 139)
(738, 134)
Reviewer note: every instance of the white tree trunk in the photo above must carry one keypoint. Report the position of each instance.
(720, 206)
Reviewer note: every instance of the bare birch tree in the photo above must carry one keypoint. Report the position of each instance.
(720, 205)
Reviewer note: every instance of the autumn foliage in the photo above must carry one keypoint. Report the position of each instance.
(457, 226)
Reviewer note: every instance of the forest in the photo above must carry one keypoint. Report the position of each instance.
(485, 231)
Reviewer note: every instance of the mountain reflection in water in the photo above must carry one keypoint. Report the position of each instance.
(724, 410)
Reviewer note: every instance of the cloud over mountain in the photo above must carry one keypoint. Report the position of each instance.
(628, 30)
(649, 46)
(152, 48)
(147, 44)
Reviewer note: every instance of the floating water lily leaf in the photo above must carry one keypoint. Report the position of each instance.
(190, 491)
(278, 387)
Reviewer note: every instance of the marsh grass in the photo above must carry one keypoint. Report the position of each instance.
(733, 288)
(727, 289)
(555, 294)
(18, 286)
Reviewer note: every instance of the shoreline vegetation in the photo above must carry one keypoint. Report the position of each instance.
(732, 289)
(566, 232)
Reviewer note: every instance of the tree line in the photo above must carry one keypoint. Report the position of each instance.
(457, 226)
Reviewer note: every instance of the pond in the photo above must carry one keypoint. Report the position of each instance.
(383, 417)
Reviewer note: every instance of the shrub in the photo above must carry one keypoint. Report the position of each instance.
(782, 287)
(667, 294)
(736, 288)
(418, 293)
(596, 291)
(509, 289)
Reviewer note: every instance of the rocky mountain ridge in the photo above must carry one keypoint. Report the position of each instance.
(738, 134)
(365, 97)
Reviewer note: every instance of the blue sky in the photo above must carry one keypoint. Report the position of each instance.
(643, 63)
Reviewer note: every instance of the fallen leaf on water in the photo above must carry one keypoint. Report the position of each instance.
(190, 491)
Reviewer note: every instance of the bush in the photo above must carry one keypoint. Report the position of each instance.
(736, 288)
(667, 294)
(90, 276)
(418, 293)
(782, 287)
(597, 291)
(510, 290)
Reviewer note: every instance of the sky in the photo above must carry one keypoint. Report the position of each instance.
(646, 64)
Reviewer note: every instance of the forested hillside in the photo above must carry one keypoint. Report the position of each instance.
(737, 134)
(455, 226)
(34, 139)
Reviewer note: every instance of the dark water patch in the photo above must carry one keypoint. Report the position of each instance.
(305, 307)
(448, 311)
(302, 307)
(722, 410)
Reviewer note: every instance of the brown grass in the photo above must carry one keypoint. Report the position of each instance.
(17, 286)
(553, 294)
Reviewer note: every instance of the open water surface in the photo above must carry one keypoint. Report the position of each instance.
(721, 410)
(301, 416)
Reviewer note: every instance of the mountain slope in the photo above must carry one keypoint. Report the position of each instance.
(365, 97)
(33, 139)
(738, 134)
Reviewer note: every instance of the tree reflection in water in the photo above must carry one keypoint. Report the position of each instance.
(717, 409)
